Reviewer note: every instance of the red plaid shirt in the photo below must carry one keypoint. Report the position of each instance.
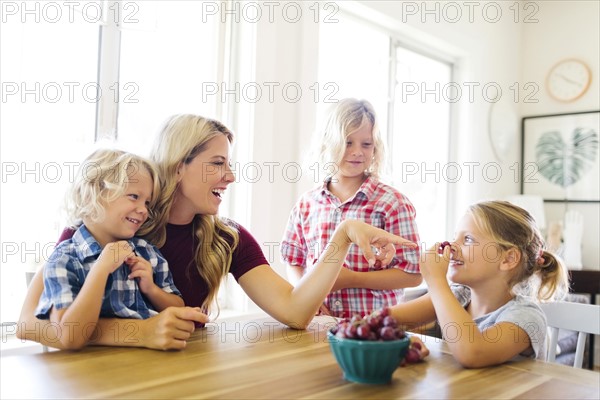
(314, 219)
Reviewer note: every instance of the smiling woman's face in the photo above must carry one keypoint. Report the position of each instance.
(202, 182)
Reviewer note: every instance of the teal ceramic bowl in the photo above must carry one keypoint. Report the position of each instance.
(368, 361)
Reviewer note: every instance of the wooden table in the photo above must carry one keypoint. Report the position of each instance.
(260, 358)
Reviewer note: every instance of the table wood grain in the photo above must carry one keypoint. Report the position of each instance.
(260, 358)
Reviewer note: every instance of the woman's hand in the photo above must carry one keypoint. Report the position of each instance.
(387, 252)
(366, 236)
(170, 329)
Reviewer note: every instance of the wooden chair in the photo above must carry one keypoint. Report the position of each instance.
(582, 318)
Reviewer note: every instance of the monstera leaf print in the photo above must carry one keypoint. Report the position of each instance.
(565, 163)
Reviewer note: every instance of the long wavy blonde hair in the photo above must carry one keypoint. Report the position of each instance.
(180, 140)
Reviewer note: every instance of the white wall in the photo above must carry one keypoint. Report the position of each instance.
(487, 49)
(566, 29)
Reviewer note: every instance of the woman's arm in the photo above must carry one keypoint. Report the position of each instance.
(386, 279)
(296, 306)
(294, 274)
(168, 330)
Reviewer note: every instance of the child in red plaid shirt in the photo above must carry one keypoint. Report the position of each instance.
(351, 142)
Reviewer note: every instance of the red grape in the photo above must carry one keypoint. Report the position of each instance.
(351, 332)
(363, 331)
(412, 356)
(387, 333)
(379, 325)
(443, 246)
(373, 321)
(390, 321)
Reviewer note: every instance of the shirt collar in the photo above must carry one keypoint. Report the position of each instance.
(368, 186)
(85, 244)
(366, 189)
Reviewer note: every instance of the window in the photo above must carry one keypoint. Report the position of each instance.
(60, 66)
(48, 111)
(353, 62)
(363, 61)
(420, 140)
(167, 65)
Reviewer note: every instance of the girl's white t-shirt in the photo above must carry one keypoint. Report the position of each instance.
(521, 311)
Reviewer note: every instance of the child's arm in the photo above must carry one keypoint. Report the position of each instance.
(470, 346)
(169, 330)
(142, 269)
(414, 313)
(386, 279)
(77, 322)
(399, 221)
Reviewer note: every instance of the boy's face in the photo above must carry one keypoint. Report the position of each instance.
(359, 151)
(125, 215)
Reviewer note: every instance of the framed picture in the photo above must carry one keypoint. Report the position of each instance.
(559, 159)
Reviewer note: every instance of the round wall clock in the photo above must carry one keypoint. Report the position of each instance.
(568, 80)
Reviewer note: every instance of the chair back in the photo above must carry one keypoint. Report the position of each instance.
(582, 318)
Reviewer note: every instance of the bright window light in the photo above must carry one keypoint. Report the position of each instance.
(48, 78)
(168, 66)
(420, 140)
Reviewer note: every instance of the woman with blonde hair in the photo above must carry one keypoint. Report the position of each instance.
(192, 154)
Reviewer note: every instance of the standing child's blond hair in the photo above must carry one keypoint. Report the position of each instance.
(343, 119)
